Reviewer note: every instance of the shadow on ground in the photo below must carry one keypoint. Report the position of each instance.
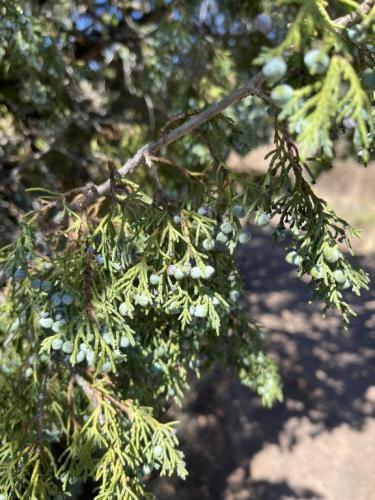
(318, 442)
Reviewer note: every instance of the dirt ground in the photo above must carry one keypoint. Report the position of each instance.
(320, 442)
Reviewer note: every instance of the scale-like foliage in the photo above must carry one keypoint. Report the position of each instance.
(115, 299)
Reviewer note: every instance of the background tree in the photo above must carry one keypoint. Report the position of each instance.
(117, 119)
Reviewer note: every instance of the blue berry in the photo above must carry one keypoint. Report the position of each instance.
(67, 347)
(203, 210)
(196, 273)
(234, 295)
(56, 299)
(46, 286)
(239, 211)
(142, 300)
(294, 258)
(83, 347)
(123, 309)
(81, 355)
(158, 451)
(19, 275)
(208, 272)
(177, 219)
(244, 237)
(331, 254)
(349, 123)
(124, 342)
(154, 279)
(28, 373)
(108, 339)
(215, 301)
(99, 259)
(29, 256)
(263, 219)
(57, 344)
(36, 283)
(274, 69)
(317, 272)
(200, 311)
(90, 357)
(44, 314)
(187, 267)
(208, 244)
(262, 23)
(106, 367)
(46, 322)
(221, 237)
(282, 94)
(316, 61)
(58, 317)
(58, 325)
(170, 269)
(67, 299)
(226, 227)
(346, 285)
(178, 273)
(340, 276)
(146, 470)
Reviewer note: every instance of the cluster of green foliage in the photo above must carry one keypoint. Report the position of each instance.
(113, 302)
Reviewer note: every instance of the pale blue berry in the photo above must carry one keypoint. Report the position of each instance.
(142, 300)
(81, 355)
(294, 258)
(46, 286)
(346, 285)
(317, 272)
(244, 237)
(83, 347)
(316, 61)
(187, 267)
(178, 273)
(44, 314)
(158, 451)
(123, 309)
(154, 279)
(221, 237)
(28, 373)
(262, 23)
(146, 470)
(349, 123)
(215, 301)
(106, 367)
(282, 94)
(29, 256)
(46, 322)
(36, 283)
(124, 342)
(263, 219)
(108, 339)
(192, 310)
(239, 211)
(208, 244)
(170, 269)
(56, 299)
(203, 210)
(67, 347)
(58, 325)
(57, 344)
(196, 273)
(226, 227)
(19, 275)
(58, 317)
(331, 254)
(340, 276)
(99, 259)
(67, 299)
(274, 69)
(177, 219)
(90, 357)
(234, 295)
(209, 271)
(200, 311)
